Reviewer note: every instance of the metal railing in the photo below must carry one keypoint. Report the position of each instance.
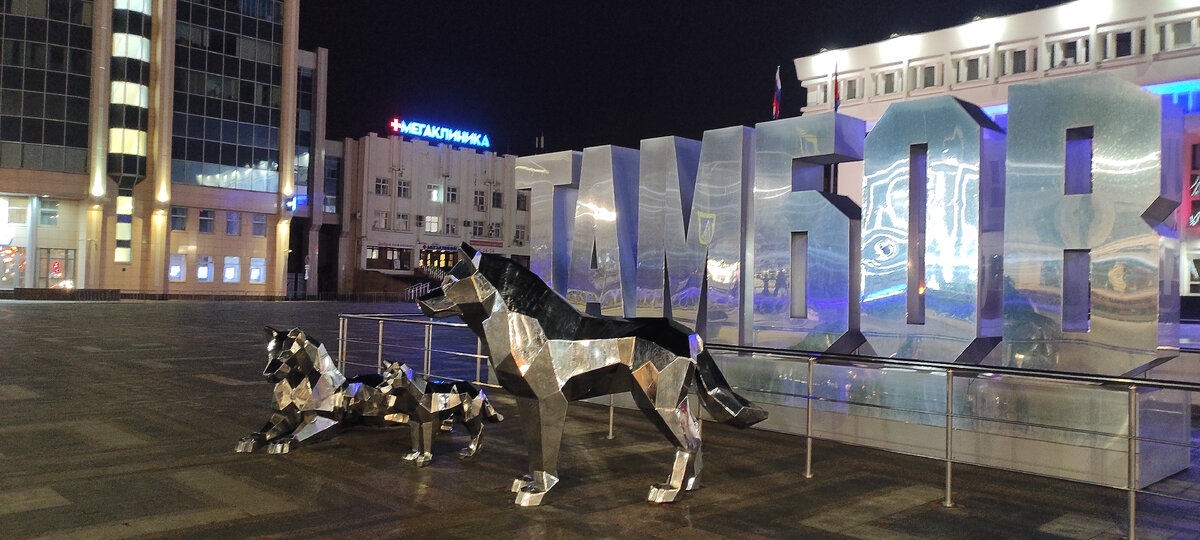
(1180, 486)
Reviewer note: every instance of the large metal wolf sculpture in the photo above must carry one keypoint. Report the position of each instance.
(312, 397)
(547, 353)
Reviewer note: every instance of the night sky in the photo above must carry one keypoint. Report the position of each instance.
(590, 73)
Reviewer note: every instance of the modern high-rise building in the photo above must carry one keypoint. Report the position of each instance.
(141, 143)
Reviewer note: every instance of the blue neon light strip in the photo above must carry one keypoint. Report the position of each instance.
(1179, 89)
(430, 131)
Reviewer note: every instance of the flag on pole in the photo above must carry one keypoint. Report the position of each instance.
(837, 91)
(778, 91)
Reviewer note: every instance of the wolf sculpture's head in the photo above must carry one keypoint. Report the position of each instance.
(464, 291)
(288, 353)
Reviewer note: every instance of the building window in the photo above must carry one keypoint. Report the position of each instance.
(970, 67)
(401, 222)
(48, 216)
(420, 221)
(851, 89)
(435, 192)
(177, 269)
(207, 217)
(204, 269)
(258, 224)
(451, 226)
(258, 270)
(497, 199)
(519, 235)
(494, 230)
(233, 270)
(476, 228)
(887, 82)
(381, 220)
(522, 201)
(381, 186)
(233, 223)
(178, 218)
(432, 224)
(479, 204)
(926, 76)
(402, 189)
(451, 194)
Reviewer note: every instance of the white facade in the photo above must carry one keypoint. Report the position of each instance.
(416, 202)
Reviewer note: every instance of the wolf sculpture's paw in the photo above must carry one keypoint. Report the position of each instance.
(663, 493)
(251, 442)
(280, 446)
(420, 459)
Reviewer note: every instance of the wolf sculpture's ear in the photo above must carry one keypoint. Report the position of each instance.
(271, 333)
(471, 254)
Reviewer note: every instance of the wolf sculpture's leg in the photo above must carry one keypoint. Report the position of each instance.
(312, 425)
(472, 418)
(279, 424)
(421, 430)
(542, 421)
(664, 401)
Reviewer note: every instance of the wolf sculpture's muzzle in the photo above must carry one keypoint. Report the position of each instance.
(435, 304)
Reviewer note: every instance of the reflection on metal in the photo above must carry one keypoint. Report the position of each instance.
(933, 294)
(1123, 221)
(605, 232)
(806, 259)
(668, 168)
(312, 397)
(547, 353)
(553, 182)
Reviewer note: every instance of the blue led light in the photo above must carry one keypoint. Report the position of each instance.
(430, 131)
(1179, 90)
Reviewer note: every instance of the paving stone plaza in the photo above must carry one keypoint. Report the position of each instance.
(120, 420)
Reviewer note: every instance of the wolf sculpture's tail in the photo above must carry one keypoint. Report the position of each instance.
(720, 400)
(489, 412)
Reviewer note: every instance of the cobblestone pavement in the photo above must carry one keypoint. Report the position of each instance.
(119, 420)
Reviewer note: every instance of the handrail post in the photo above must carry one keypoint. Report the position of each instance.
(379, 360)
(342, 344)
(428, 346)
(949, 435)
(808, 430)
(611, 415)
(1133, 465)
(478, 359)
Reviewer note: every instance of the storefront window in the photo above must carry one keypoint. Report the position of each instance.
(177, 271)
(204, 268)
(258, 270)
(233, 270)
(12, 267)
(57, 268)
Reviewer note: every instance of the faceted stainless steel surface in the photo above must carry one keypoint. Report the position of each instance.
(547, 353)
(812, 305)
(553, 182)
(603, 246)
(312, 396)
(1126, 222)
(708, 289)
(668, 169)
(963, 226)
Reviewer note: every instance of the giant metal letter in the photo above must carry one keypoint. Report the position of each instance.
(553, 182)
(603, 249)
(933, 185)
(1091, 279)
(668, 168)
(707, 288)
(806, 257)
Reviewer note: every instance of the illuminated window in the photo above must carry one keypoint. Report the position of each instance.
(233, 270)
(131, 46)
(401, 222)
(123, 254)
(126, 141)
(140, 6)
(522, 201)
(432, 224)
(258, 224)
(127, 93)
(178, 218)
(233, 223)
(177, 270)
(204, 268)
(381, 186)
(451, 194)
(435, 192)
(207, 218)
(258, 270)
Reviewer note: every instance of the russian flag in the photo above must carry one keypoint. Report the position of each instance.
(837, 90)
(778, 90)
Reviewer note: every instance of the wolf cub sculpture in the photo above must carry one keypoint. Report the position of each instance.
(313, 397)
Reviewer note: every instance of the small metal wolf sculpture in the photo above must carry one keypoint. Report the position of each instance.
(547, 353)
(313, 397)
